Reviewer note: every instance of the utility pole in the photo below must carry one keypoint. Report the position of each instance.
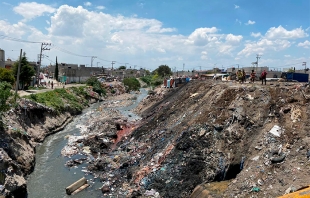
(113, 62)
(43, 47)
(18, 71)
(91, 63)
(257, 57)
(304, 64)
(92, 59)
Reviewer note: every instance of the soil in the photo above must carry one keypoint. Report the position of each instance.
(211, 133)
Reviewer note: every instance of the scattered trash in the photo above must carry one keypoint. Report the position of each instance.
(152, 193)
(255, 158)
(276, 130)
(255, 189)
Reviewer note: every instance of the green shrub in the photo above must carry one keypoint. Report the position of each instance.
(5, 94)
(131, 84)
(94, 82)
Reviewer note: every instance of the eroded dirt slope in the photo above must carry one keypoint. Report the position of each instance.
(204, 132)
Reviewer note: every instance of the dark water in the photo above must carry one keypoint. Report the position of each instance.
(51, 177)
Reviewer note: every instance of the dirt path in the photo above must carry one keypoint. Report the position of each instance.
(56, 86)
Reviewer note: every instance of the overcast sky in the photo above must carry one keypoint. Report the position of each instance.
(149, 33)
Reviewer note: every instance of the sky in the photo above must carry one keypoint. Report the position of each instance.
(183, 34)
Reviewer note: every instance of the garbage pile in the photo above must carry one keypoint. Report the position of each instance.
(256, 138)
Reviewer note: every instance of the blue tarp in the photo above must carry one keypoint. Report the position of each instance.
(298, 77)
(168, 83)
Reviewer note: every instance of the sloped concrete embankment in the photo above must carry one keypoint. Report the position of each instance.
(205, 132)
(26, 125)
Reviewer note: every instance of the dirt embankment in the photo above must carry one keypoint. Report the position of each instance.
(25, 126)
(255, 138)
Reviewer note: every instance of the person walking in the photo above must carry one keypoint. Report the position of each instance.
(240, 76)
(243, 76)
(253, 75)
(52, 84)
(263, 77)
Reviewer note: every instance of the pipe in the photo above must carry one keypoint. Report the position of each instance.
(70, 189)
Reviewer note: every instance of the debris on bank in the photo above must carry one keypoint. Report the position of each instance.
(253, 138)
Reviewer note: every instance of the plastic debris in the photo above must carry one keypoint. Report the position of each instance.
(255, 189)
(276, 130)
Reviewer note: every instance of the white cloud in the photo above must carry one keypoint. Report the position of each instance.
(282, 33)
(31, 10)
(305, 44)
(250, 22)
(140, 4)
(202, 36)
(87, 4)
(230, 38)
(263, 45)
(236, 6)
(258, 34)
(287, 56)
(238, 21)
(124, 38)
(100, 7)
(8, 4)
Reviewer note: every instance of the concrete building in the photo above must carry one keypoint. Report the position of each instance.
(125, 73)
(2, 58)
(72, 73)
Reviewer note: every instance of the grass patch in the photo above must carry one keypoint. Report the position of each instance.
(73, 98)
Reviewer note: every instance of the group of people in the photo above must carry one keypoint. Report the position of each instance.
(241, 76)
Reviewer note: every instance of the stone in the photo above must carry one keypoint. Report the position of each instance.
(105, 189)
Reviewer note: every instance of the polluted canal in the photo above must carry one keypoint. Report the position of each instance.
(69, 155)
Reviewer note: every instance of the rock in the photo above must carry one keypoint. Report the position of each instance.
(218, 127)
(105, 189)
(111, 134)
(252, 89)
(16, 184)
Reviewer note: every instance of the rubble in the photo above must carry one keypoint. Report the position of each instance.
(237, 140)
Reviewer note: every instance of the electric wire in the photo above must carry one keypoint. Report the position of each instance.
(17, 40)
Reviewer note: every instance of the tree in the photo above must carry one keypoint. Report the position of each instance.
(131, 84)
(163, 70)
(56, 70)
(94, 82)
(5, 93)
(6, 76)
(26, 71)
(122, 67)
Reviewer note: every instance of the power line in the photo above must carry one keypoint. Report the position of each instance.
(289, 64)
(68, 52)
(104, 60)
(16, 39)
